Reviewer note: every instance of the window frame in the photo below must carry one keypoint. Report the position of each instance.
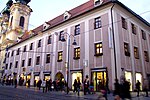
(48, 58)
(10, 66)
(136, 52)
(97, 22)
(77, 30)
(60, 56)
(133, 28)
(25, 48)
(29, 61)
(126, 49)
(38, 60)
(124, 23)
(61, 35)
(23, 63)
(76, 53)
(39, 43)
(98, 49)
(18, 51)
(16, 64)
(22, 20)
(31, 46)
(49, 39)
(143, 34)
(146, 56)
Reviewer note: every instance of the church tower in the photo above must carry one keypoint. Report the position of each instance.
(19, 19)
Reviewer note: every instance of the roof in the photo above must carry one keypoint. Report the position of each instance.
(82, 9)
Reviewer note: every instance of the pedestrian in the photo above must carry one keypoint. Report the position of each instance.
(34, 83)
(126, 86)
(28, 83)
(78, 87)
(86, 85)
(39, 84)
(44, 85)
(15, 81)
(138, 84)
(117, 88)
(75, 85)
(91, 87)
(146, 86)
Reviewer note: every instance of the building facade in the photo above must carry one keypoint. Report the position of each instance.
(112, 42)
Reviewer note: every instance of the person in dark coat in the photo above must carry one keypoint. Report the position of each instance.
(75, 85)
(39, 84)
(15, 82)
(86, 85)
(138, 87)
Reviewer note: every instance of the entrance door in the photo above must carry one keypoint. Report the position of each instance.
(99, 79)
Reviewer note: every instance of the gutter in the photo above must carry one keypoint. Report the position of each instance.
(112, 23)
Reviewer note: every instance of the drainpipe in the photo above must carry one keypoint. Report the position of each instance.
(112, 23)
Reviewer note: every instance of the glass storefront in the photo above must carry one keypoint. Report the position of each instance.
(47, 76)
(128, 77)
(139, 78)
(76, 75)
(99, 79)
(36, 78)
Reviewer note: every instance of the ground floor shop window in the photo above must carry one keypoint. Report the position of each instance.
(128, 77)
(99, 80)
(139, 78)
(77, 76)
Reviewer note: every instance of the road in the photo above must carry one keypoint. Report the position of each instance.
(10, 93)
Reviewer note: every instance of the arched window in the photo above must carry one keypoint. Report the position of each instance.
(21, 21)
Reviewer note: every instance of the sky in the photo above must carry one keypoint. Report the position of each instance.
(45, 10)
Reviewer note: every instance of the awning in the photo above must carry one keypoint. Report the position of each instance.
(47, 72)
(36, 73)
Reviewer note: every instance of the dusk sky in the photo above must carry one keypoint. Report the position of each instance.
(48, 9)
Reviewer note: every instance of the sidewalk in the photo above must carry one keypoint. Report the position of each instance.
(96, 96)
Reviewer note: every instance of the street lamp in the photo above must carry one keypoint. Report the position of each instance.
(68, 60)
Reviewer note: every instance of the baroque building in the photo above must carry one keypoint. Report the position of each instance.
(110, 42)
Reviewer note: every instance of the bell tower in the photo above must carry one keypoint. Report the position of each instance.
(19, 19)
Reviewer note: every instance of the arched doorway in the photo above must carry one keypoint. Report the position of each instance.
(59, 76)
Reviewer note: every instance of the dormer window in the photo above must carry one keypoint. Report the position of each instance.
(98, 2)
(67, 15)
(46, 25)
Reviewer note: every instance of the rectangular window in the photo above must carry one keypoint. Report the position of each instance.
(29, 62)
(49, 39)
(12, 53)
(133, 28)
(48, 58)
(143, 35)
(24, 50)
(126, 49)
(124, 23)
(16, 64)
(146, 56)
(23, 62)
(39, 43)
(31, 46)
(77, 53)
(136, 53)
(77, 30)
(10, 66)
(8, 54)
(60, 56)
(38, 60)
(97, 23)
(6, 66)
(18, 51)
(98, 49)
(61, 36)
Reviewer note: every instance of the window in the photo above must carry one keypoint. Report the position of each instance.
(12, 53)
(31, 46)
(98, 49)
(29, 62)
(10, 66)
(133, 28)
(6, 66)
(77, 53)
(38, 60)
(77, 29)
(59, 56)
(23, 62)
(21, 23)
(143, 35)
(11, 21)
(39, 43)
(16, 64)
(8, 54)
(49, 39)
(136, 53)
(48, 58)
(126, 49)
(146, 56)
(18, 50)
(97, 23)
(61, 36)
(24, 50)
(124, 23)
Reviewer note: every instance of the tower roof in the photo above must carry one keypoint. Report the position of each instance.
(25, 2)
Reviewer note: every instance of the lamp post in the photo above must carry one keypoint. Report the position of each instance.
(68, 60)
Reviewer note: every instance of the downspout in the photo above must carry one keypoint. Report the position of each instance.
(112, 23)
